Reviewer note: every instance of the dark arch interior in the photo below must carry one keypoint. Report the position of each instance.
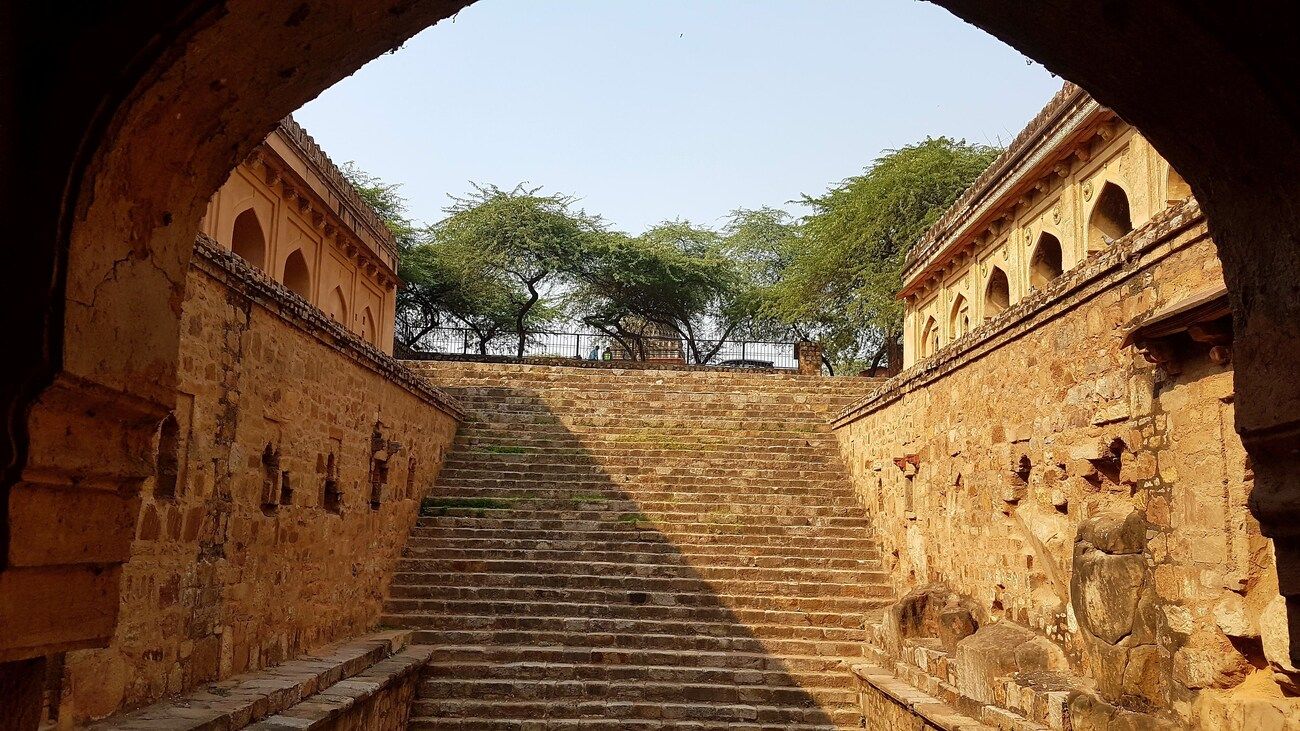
(297, 277)
(1045, 264)
(1110, 219)
(247, 239)
(997, 294)
(90, 91)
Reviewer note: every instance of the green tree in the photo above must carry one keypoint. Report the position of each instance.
(846, 270)
(528, 242)
(675, 275)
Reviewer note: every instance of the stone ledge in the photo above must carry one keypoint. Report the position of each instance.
(325, 708)
(930, 711)
(244, 279)
(244, 699)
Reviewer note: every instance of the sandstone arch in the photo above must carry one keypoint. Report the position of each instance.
(297, 274)
(959, 321)
(248, 239)
(930, 338)
(108, 214)
(337, 307)
(1110, 218)
(1046, 262)
(368, 329)
(997, 293)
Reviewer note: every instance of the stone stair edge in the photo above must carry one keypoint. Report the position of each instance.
(247, 698)
(326, 706)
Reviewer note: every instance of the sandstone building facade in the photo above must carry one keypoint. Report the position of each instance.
(1087, 180)
(1056, 483)
(288, 211)
(290, 472)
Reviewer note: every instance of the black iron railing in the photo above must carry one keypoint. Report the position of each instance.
(600, 346)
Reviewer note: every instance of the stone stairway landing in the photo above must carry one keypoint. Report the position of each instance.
(639, 550)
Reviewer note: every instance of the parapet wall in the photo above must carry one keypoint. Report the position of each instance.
(288, 482)
(1061, 482)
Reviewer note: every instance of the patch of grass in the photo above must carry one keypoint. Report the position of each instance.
(440, 506)
(633, 518)
(587, 498)
(503, 449)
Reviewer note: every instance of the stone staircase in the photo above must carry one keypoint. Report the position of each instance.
(639, 549)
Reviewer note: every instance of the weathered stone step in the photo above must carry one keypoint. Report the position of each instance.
(637, 690)
(510, 624)
(818, 603)
(650, 540)
(506, 519)
(794, 496)
(420, 723)
(463, 468)
(438, 550)
(401, 612)
(635, 642)
(470, 503)
(632, 710)
(782, 585)
(738, 485)
(578, 570)
(790, 537)
(502, 655)
(616, 672)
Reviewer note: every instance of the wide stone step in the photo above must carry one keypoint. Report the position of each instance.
(421, 723)
(402, 612)
(577, 570)
(633, 641)
(650, 584)
(632, 710)
(668, 522)
(469, 468)
(499, 626)
(650, 540)
(607, 672)
(475, 530)
(437, 550)
(818, 603)
(666, 691)
(504, 655)
(588, 508)
(793, 496)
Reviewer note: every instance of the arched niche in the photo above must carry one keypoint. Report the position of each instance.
(959, 319)
(1045, 264)
(368, 330)
(248, 239)
(997, 293)
(297, 275)
(1110, 218)
(336, 306)
(930, 338)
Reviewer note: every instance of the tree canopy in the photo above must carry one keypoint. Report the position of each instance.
(506, 263)
(846, 269)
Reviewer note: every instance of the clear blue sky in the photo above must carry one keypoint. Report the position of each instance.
(657, 109)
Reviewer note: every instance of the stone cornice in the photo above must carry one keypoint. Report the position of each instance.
(1098, 272)
(323, 166)
(257, 286)
(1031, 154)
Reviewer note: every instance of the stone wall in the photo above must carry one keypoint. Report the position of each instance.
(289, 477)
(1061, 482)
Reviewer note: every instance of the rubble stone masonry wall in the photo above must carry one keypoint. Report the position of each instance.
(1061, 482)
(289, 477)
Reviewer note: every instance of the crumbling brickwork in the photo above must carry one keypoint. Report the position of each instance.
(1059, 480)
(265, 536)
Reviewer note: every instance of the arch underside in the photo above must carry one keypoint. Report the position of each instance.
(134, 117)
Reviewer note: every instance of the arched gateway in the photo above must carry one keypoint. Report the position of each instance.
(127, 120)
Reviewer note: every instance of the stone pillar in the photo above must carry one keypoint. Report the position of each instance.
(809, 356)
